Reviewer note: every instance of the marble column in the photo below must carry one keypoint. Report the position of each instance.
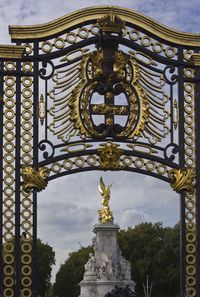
(106, 268)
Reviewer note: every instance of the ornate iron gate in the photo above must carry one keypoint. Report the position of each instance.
(104, 88)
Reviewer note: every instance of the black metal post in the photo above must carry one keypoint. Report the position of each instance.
(1, 182)
(35, 164)
(197, 125)
(17, 184)
(181, 164)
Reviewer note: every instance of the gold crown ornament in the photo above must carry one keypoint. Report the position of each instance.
(111, 23)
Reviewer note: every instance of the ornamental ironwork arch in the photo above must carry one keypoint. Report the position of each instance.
(103, 88)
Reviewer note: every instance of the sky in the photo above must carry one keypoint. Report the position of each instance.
(67, 209)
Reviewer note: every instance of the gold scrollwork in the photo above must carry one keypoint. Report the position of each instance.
(183, 179)
(109, 156)
(34, 178)
(73, 97)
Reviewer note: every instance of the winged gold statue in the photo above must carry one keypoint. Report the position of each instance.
(105, 214)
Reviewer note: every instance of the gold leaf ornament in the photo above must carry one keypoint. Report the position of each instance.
(34, 178)
(183, 179)
(109, 155)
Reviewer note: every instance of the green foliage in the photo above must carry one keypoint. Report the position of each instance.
(50, 291)
(153, 250)
(71, 273)
(150, 248)
(45, 260)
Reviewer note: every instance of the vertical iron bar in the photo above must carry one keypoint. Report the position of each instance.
(182, 245)
(1, 181)
(17, 182)
(35, 162)
(181, 164)
(34, 258)
(197, 130)
(172, 114)
(46, 108)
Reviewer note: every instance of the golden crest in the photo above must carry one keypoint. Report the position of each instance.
(107, 74)
(34, 178)
(79, 103)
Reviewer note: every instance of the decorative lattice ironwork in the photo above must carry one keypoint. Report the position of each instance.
(99, 89)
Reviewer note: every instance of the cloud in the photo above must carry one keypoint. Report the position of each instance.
(171, 13)
(61, 214)
(131, 217)
(70, 204)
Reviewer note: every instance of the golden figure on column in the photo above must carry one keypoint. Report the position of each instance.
(105, 214)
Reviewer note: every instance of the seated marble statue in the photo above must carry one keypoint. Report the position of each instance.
(90, 265)
(125, 269)
(106, 270)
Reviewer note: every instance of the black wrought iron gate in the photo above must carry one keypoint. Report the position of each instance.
(104, 88)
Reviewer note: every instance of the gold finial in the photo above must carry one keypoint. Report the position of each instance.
(105, 214)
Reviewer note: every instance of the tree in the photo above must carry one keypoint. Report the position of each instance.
(71, 273)
(50, 292)
(153, 250)
(45, 260)
(150, 248)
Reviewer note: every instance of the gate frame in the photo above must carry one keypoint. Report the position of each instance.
(20, 146)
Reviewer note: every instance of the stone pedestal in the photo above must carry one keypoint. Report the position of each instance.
(106, 268)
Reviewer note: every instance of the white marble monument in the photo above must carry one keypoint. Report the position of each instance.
(106, 268)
